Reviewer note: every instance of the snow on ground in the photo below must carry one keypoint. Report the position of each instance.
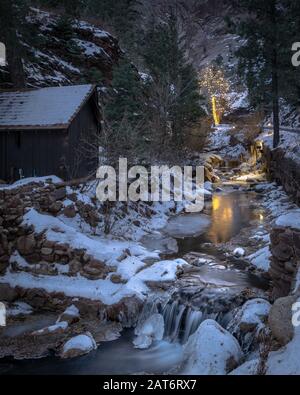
(101, 248)
(90, 49)
(289, 142)
(103, 290)
(25, 181)
(290, 219)
(286, 361)
(219, 140)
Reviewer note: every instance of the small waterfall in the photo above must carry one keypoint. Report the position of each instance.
(181, 321)
(193, 320)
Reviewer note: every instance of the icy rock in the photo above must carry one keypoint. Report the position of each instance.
(78, 345)
(19, 309)
(57, 328)
(249, 321)
(70, 315)
(152, 329)
(211, 350)
(239, 252)
(261, 258)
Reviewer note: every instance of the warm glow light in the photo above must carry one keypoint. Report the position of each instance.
(214, 111)
(215, 87)
(215, 203)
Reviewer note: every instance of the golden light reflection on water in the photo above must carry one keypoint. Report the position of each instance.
(228, 213)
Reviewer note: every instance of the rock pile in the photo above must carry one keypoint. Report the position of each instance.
(285, 260)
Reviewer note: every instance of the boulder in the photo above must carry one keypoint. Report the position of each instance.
(78, 345)
(26, 244)
(280, 319)
(95, 270)
(211, 350)
(249, 321)
(69, 211)
(59, 194)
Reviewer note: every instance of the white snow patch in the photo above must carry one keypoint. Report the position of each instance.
(291, 219)
(29, 180)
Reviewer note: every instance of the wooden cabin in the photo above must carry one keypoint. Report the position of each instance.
(45, 132)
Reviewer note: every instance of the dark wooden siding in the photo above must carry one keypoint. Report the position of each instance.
(46, 152)
(36, 153)
(83, 128)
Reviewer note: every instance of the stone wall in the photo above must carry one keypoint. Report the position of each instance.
(283, 170)
(41, 255)
(285, 260)
(35, 248)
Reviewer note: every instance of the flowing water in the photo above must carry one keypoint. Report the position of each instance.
(230, 213)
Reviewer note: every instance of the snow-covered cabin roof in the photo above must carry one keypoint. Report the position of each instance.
(44, 108)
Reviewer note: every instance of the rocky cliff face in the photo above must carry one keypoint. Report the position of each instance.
(60, 55)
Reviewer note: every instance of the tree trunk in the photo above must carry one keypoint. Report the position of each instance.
(15, 64)
(275, 98)
(276, 123)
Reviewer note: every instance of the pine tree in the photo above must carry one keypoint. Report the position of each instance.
(124, 111)
(173, 87)
(263, 56)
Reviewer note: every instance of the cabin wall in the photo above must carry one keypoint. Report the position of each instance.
(31, 153)
(83, 128)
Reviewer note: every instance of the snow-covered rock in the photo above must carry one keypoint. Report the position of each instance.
(249, 321)
(239, 252)
(211, 350)
(60, 327)
(152, 329)
(78, 345)
(70, 315)
(261, 258)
